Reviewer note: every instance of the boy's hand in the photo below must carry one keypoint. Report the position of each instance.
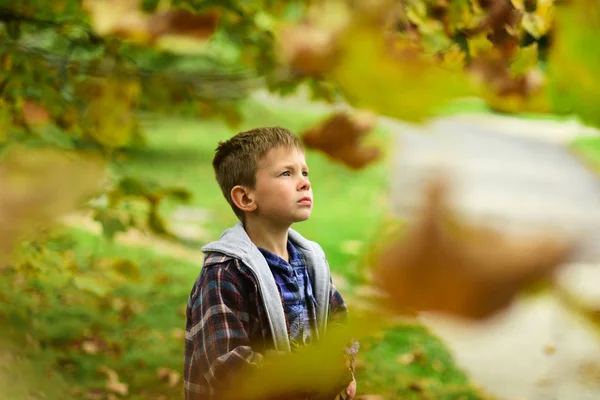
(351, 389)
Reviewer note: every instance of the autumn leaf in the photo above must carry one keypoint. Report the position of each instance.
(319, 368)
(511, 85)
(126, 19)
(169, 376)
(113, 383)
(445, 265)
(340, 138)
(392, 78)
(108, 124)
(33, 114)
(39, 185)
(308, 49)
(539, 21)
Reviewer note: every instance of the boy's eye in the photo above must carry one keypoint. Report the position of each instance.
(286, 173)
(305, 173)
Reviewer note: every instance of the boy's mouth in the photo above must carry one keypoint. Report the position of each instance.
(306, 201)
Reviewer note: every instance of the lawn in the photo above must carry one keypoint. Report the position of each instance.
(138, 329)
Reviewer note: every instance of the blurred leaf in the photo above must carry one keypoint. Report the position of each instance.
(126, 19)
(539, 21)
(405, 86)
(525, 60)
(39, 185)
(94, 284)
(111, 221)
(308, 49)
(574, 61)
(319, 368)
(127, 269)
(168, 375)
(113, 383)
(339, 137)
(109, 118)
(180, 194)
(445, 265)
(130, 186)
(34, 114)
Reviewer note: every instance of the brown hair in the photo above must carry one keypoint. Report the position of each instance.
(236, 160)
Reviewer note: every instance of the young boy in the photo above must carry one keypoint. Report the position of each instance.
(263, 287)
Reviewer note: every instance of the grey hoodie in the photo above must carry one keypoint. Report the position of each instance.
(236, 243)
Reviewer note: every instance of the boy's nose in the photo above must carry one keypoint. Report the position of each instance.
(304, 183)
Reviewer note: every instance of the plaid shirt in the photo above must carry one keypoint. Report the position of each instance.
(227, 328)
(296, 291)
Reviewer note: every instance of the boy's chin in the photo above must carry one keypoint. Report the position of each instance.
(301, 218)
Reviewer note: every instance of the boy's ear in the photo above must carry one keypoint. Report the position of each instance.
(242, 198)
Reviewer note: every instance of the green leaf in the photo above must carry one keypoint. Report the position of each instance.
(403, 87)
(181, 194)
(111, 223)
(150, 6)
(574, 61)
(133, 187)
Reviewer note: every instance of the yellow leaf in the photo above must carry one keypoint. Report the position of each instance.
(479, 45)
(526, 59)
(109, 117)
(124, 18)
(317, 368)
(393, 82)
(118, 17)
(39, 185)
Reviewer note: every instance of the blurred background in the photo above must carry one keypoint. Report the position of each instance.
(454, 153)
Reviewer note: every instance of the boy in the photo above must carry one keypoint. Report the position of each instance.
(263, 287)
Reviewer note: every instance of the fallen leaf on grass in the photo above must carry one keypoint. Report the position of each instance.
(169, 376)
(339, 137)
(405, 359)
(446, 265)
(94, 394)
(415, 387)
(438, 366)
(178, 334)
(113, 383)
(90, 347)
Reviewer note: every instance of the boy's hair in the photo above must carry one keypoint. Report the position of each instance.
(236, 160)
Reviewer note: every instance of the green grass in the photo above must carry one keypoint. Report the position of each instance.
(138, 329)
(588, 149)
(409, 363)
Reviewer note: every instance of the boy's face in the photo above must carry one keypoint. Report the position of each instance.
(283, 194)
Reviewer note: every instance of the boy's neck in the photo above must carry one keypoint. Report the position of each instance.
(268, 237)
